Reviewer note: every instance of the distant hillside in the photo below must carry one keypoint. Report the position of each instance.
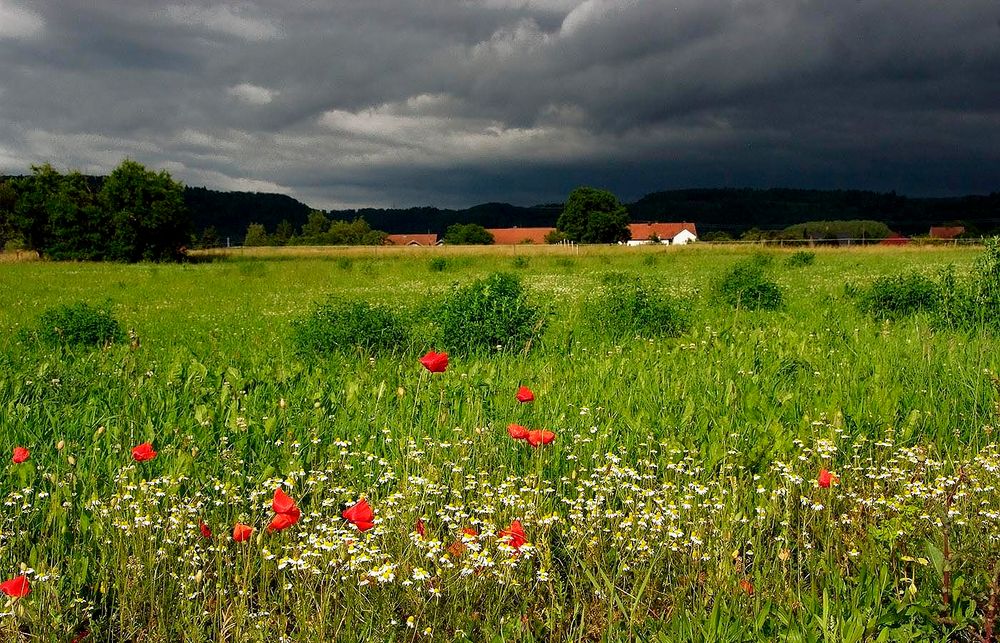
(231, 212)
(429, 219)
(728, 210)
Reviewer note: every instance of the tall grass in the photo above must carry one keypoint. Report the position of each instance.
(679, 500)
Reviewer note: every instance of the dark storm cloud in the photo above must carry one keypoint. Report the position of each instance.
(451, 102)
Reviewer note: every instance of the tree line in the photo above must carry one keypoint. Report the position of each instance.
(133, 214)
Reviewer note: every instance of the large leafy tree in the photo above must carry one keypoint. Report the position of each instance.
(77, 226)
(149, 221)
(593, 216)
(468, 234)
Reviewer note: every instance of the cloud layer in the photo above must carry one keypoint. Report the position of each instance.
(454, 102)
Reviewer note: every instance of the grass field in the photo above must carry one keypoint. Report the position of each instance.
(681, 499)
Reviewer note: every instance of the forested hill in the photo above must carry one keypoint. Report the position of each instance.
(231, 212)
(429, 219)
(729, 210)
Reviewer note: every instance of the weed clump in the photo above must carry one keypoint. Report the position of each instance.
(340, 325)
(747, 285)
(437, 264)
(801, 259)
(969, 302)
(490, 314)
(79, 324)
(627, 306)
(896, 296)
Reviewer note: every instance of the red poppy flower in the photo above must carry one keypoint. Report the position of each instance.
(360, 515)
(524, 394)
(457, 548)
(746, 586)
(241, 532)
(419, 527)
(517, 431)
(470, 531)
(825, 479)
(514, 535)
(539, 437)
(18, 587)
(20, 455)
(205, 531)
(286, 511)
(143, 452)
(435, 362)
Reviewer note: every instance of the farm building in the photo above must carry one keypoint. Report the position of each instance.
(946, 232)
(895, 239)
(516, 236)
(412, 240)
(675, 234)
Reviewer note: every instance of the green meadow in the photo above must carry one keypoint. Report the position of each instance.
(681, 499)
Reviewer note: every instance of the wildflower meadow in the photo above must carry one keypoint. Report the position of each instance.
(597, 444)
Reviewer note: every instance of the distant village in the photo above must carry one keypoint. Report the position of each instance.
(677, 234)
(674, 234)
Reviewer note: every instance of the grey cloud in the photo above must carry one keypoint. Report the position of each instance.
(458, 101)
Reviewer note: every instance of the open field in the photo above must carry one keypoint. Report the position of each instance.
(680, 500)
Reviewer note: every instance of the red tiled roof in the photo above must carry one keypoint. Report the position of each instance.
(514, 236)
(946, 232)
(412, 239)
(643, 231)
(895, 240)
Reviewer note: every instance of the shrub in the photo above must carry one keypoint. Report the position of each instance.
(79, 324)
(490, 314)
(747, 285)
(895, 296)
(520, 262)
(974, 302)
(340, 325)
(627, 306)
(801, 259)
(437, 264)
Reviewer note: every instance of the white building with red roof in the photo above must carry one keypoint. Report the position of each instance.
(675, 234)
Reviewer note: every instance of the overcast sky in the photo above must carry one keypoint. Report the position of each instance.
(456, 102)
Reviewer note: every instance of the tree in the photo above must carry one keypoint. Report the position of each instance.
(30, 220)
(256, 235)
(149, 221)
(283, 232)
(78, 229)
(8, 202)
(315, 228)
(471, 234)
(556, 236)
(594, 216)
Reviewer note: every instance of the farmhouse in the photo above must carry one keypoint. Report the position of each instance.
(516, 236)
(946, 232)
(412, 240)
(675, 234)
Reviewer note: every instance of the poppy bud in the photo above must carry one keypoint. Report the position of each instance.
(60, 444)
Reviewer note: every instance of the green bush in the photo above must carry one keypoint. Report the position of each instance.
(341, 325)
(627, 306)
(79, 324)
(520, 262)
(801, 259)
(437, 264)
(490, 314)
(895, 296)
(974, 302)
(747, 285)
